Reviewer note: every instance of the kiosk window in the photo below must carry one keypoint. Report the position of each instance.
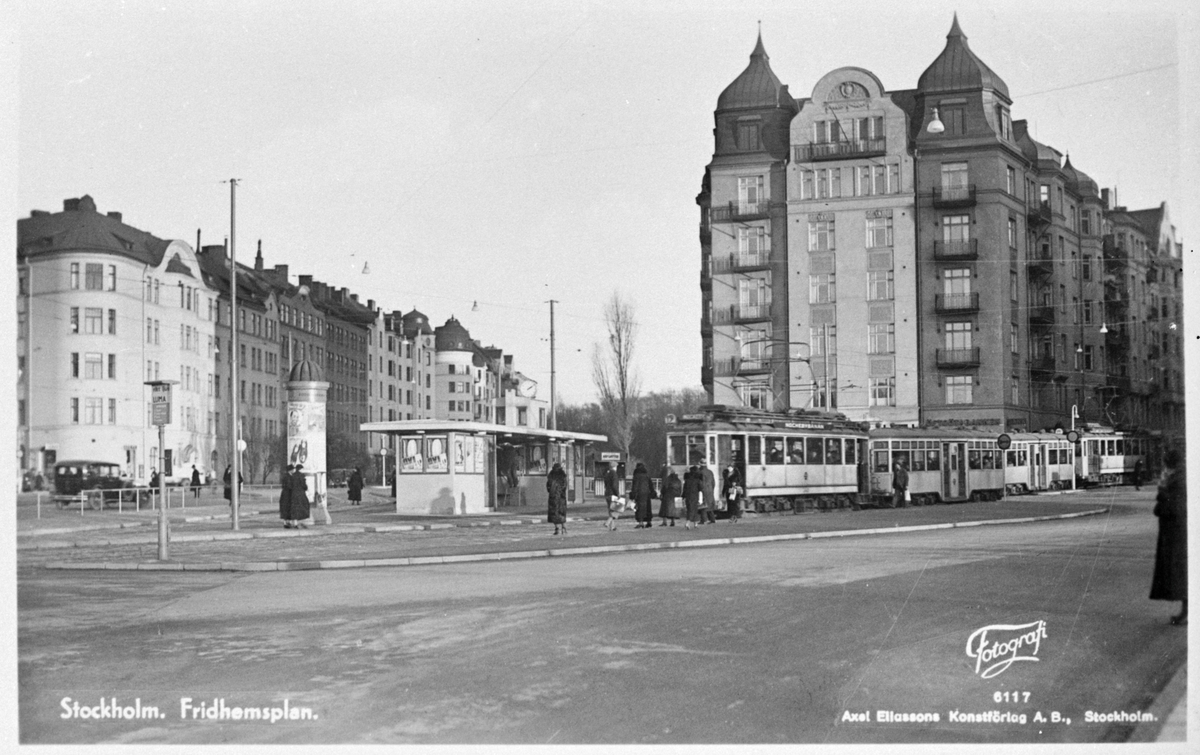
(796, 455)
(754, 450)
(774, 450)
(833, 450)
(815, 450)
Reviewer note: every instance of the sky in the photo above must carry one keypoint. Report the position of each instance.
(481, 158)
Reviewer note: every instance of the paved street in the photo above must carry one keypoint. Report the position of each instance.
(772, 642)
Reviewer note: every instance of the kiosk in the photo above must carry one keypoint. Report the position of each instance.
(446, 467)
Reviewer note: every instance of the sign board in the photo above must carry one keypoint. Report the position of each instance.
(1073, 436)
(160, 404)
(1004, 441)
(669, 419)
(610, 456)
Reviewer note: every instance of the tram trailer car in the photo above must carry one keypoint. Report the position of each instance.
(1039, 461)
(1109, 457)
(943, 465)
(791, 461)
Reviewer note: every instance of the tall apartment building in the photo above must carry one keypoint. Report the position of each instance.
(917, 257)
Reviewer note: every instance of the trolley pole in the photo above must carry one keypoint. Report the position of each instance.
(553, 397)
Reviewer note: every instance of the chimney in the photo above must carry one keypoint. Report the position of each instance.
(371, 304)
(198, 247)
(71, 205)
(281, 272)
(258, 260)
(354, 298)
(306, 280)
(38, 213)
(1104, 198)
(115, 216)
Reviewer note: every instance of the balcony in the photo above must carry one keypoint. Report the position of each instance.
(1041, 314)
(1041, 262)
(952, 358)
(1038, 214)
(705, 281)
(734, 367)
(743, 262)
(738, 211)
(1119, 383)
(706, 327)
(956, 303)
(956, 250)
(1042, 364)
(953, 196)
(750, 312)
(807, 153)
(1117, 339)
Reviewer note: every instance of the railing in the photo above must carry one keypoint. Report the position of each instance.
(742, 313)
(956, 302)
(1117, 339)
(1039, 213)
(743, 261)
(953, 196)
(732, 367)
(958, 357)
(1118, 382)
(837, 150)
(1043, 363)
(956, 250)
(1042, 314)
(743, 211)
(1041, 261)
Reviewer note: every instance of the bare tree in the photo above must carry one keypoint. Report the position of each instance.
(617, 384)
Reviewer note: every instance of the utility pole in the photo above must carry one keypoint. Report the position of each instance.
(553, 394)
(235, 464)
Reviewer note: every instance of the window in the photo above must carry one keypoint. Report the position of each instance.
(112, 411)
(93, 366)
(880, 285)
(750, 193)
(958, 335)
(1012, 233)
(112, 277)
(958, 389)
(75, 411)
(1011, 176)
(93, 320)
(820, 337)
(753, 246)
(879, 232)
(956, 228)
(1014, 396)
(93, 277)
(829, 183)
(952, 118)
(956, 285)
(1088, 358)
(821, 236)
(1014, 339)
(883, 391)
(75, 284)
(1087, 268)
(822, 288)
(754, 395)
(1085, 222)
(1003, 123)
(74, 364)
(1087, 311)
(881, 338)
(747, 135)
(93, 411)
(74, 319)
(753, 296)
(112, 322)
(954, 181)
(112, 366)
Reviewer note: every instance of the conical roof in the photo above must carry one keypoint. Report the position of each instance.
(957, 68)
(1078, 181)
(452, 337)
(757, 86)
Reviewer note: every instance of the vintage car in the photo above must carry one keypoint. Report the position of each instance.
(94, 482)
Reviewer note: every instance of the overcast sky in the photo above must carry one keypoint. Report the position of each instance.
(510, 153)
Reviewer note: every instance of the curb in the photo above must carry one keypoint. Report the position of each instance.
(511, 555)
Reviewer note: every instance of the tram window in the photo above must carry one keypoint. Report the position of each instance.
(1109, 448)
(918, 458)
(973, 460)
(796, 455)
(1120, 446)
(1012, 457)
(678, 449)
(988, 460)
(933, 460)
(774, 450)
(1052, 458)
(881, 462)
(814, 450)
(695, 449)
(1023, 459)
(754, 450)
(851, 451)
(833, 450)
(902, 457)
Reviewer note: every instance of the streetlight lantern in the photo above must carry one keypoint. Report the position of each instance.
(935, 126)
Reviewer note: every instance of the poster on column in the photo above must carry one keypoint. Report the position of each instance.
(306, 435)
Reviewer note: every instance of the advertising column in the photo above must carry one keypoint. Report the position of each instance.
(306, 431)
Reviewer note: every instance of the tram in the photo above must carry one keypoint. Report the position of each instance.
(798, 460)
(1109, 457)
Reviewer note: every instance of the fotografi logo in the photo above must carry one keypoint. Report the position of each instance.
(998, 646)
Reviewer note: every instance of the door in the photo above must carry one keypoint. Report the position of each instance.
(1039, 461)
(953, 473)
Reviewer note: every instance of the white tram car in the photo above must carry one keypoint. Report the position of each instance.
(788, 461)
(1109, 457)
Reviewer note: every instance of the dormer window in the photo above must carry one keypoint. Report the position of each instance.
(748, 135)
(1003, 122)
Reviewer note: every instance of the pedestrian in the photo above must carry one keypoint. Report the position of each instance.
(195, 482)
(228, 483)
(612, 495)
(393, 485)
(731, 491)
(155, 481)
(670, 491)
(708, 488)
(285, 497)
(899, 486)
(556, 504)
(642, 492)
(1138, 471)
(1170, 558)
(692, 484)
(354, 487)
(298, 510)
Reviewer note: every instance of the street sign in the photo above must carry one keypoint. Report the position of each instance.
(1004, 441)
(610, 456)
(1073, 436)
(160, 404)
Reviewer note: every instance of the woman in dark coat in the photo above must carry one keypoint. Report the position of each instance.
(708, 490)
(556, 505)
(1170, 558)
(285, 497)
(299, 498)
(354, 487)
(642, 492)
(692, 485)
(228, 489)
(672, 488)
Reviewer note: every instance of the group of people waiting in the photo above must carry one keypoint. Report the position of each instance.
(294, 506)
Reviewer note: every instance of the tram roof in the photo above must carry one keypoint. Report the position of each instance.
(431, 426)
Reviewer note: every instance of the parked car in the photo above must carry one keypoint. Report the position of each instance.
(99, 481)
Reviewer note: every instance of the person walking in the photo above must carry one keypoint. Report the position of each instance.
(611, 495)
(556, 504)
(708, 483)
(298, 509)
(354, 487)
(155, 480)
(671, 489)
(1138, 470)
(228, 478)
(642, 492)
(1170, 557)
(285, 497)
(195, 482)
(731, 491)
(692, 485)
(899, 486)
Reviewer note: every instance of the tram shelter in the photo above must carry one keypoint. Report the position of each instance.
(447, 467)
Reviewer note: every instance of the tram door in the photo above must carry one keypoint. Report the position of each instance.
(954, 472)
(731, 449)
(1039, 464)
